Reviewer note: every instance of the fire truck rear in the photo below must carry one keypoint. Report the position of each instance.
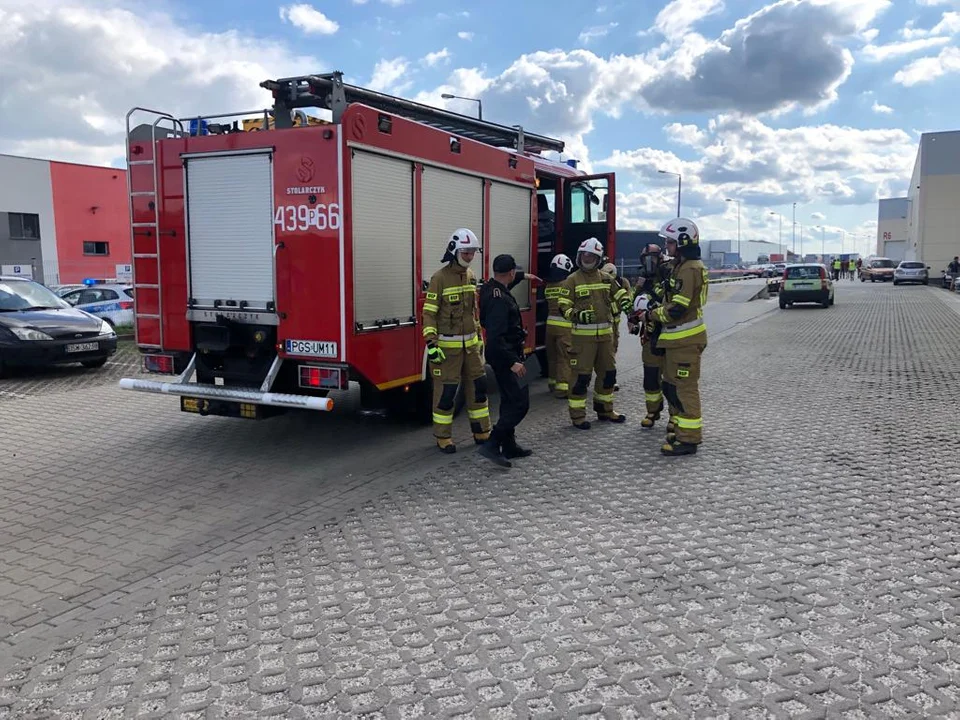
(277, 266)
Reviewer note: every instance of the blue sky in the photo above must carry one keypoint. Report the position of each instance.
(818, 102)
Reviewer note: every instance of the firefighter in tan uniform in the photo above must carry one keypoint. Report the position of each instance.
(654, 271)
(591, 294)
(558, 327)
(454, 348)
(683, 335)
(610, 269)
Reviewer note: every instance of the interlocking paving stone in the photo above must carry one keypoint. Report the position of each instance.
(805, 564)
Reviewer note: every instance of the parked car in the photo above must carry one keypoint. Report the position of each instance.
(806, 283)
(911, 271)
(113, 303)
(37, 328)
(878, 268)
(62, 290)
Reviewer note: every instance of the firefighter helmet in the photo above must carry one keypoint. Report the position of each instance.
(589, 247)
(562, 262)
(461, 239)
(683, 231)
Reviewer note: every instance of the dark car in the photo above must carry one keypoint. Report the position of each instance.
(37, 328)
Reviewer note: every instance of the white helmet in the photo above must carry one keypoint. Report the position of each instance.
(682, 231)
(562, 262)
(461, 239)
(641, 302)
(590, 246)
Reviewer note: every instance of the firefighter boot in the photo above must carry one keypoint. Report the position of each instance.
(492, 451)
(446, 446)
(654, 408)
(650, 419)
(677, 448)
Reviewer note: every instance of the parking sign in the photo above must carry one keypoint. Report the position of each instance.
(17, 270)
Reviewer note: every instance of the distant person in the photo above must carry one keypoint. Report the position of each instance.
(837, 265)
(859, 266)
(851, 268)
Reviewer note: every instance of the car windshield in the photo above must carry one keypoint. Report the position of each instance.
(912, 265)
(809, 272)
(882, 264)
(16, 295)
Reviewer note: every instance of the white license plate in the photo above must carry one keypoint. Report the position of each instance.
(312, 348)
(83, 347)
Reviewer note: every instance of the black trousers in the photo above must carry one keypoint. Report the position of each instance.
(514, 404)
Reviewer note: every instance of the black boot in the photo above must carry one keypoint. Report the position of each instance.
(678, 448)
(492, 451)
(511, 450)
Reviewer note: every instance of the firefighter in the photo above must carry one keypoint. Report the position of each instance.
(558, 327)
(654, 271)
(610, 269)
(587, 303)
(454, 348)
(683, 335)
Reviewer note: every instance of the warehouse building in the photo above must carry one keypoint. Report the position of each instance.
(62, 222)
(933, 201)
(893, 228)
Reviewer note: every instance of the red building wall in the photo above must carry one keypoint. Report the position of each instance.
(89, 205)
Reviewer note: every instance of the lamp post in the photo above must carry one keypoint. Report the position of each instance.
(823, 243)
(679, 186)
(448, 96)
(801, 242)
(795, 228)
(780, 235)
(739, 255)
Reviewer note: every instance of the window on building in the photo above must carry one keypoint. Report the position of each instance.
(91, 247)
(24, 226)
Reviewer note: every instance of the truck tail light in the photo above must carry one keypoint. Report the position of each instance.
(162, 364)
(321, 377)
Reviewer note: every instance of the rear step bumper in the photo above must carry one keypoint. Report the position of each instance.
(207, 392)
(254, 397)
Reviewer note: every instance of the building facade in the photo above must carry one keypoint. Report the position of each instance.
(933, 201)
(893, 228)
(62, 222)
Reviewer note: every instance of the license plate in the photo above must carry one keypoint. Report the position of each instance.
(312, 348)
(83, 347)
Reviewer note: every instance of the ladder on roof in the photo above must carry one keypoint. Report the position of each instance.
(144, 208)
(328, 91)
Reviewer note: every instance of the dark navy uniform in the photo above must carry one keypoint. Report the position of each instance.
(505, 335)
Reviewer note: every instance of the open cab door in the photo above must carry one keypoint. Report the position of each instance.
(588, 209)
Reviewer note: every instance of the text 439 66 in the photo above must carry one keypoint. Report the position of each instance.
(302, 218)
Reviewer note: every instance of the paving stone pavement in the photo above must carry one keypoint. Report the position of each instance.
(805, 564)
(24, 383)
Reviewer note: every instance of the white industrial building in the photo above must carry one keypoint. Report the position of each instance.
(933, 201)
(893, 228)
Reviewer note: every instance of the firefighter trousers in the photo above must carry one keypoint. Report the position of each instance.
(558, 359)
(461, 366)
(652, 388)
(681, 387)
(589, 355)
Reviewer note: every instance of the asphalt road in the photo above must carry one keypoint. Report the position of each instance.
(330, 566)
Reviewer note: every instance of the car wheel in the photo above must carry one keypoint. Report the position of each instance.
(895, 282)
(783, 304)
(93, 364)
(926, 282)
(825, 304)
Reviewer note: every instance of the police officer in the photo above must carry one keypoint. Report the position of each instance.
(453, 342)
(500, 318)
(683, 336)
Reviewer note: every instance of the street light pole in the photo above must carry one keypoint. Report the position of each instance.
(795, 228)
(478, 101)
(739, 255)
(679, 186)
(780, 236)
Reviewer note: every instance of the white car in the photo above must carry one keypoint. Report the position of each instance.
(911, 271)
(113, 303)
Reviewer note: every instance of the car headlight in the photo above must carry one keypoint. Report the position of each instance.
(29, 334)
(106, 328)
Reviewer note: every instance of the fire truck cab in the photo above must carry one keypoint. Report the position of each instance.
(279, 265)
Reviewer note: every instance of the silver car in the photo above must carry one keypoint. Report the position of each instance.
(911, 271)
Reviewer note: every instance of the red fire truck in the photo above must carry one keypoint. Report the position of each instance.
(280, 265)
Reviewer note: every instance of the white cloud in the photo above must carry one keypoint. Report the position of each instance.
(394, 3)
(818, 216)
(99, 61)
(391, 76)
(435, 58)
(881, 109)
(308, 19)
(677, 17)
(879, 53)
(596, 32)
(464, 35)
(928, 69)
(949, 24)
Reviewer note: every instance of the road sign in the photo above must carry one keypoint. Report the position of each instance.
(17, 270)
(124, 273)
